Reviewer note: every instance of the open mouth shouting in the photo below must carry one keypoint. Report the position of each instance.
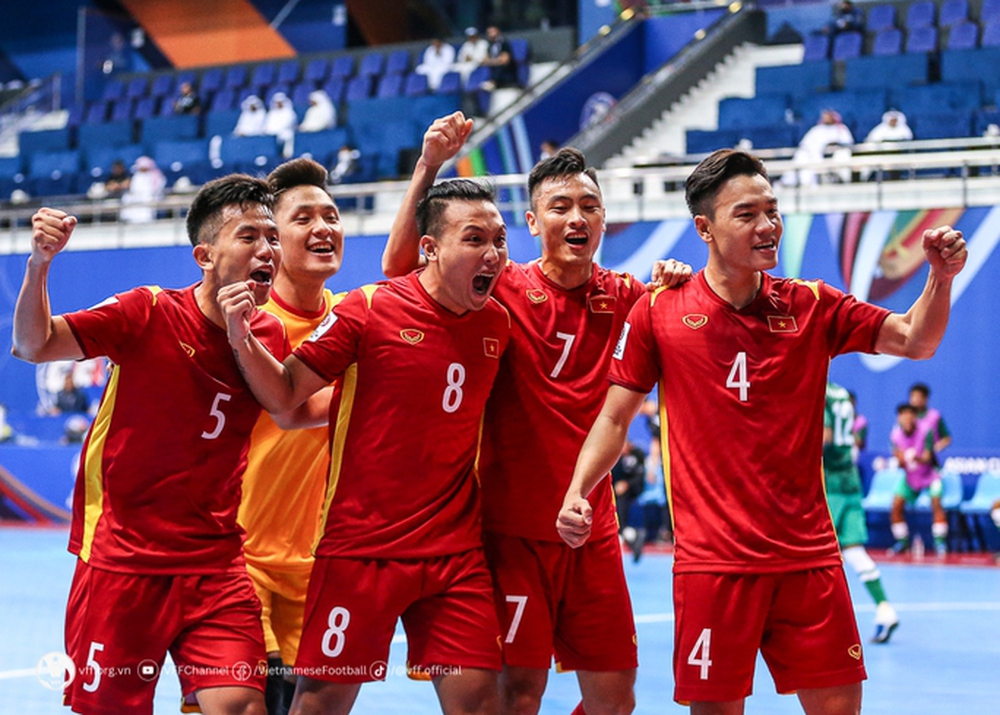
(482, 282)
(260, 283)
(577, 239)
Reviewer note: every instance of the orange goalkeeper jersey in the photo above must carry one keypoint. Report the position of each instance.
(285, 480)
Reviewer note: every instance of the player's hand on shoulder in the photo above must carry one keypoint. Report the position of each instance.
(51, 229)
(444, 138)
(945, 250)
(238, 304)
(575, 521)
(669, 274)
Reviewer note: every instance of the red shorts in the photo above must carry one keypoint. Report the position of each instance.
(802, 622)
(572, 603)
(352, 606)
(119, 627)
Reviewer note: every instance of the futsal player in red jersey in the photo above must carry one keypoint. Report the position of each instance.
(160, 565)
(402, 524)
(567, 312)
(741, 359)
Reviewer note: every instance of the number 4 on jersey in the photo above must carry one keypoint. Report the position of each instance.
(738, 376)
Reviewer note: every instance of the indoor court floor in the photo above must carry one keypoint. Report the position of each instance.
(942, 659)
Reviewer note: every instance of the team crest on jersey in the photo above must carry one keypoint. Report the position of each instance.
(187, 348)
(622, 339)
(411, 335)
(327, 323)
(695, 320)
(782, 324)
(537, 295)
(492, 347)
(602, 304)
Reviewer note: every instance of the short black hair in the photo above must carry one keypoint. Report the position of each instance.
(432, 206)
(297, 172)
(704, 183)
(568, 161)
(921, 388)
(204, 219)
(905, 407)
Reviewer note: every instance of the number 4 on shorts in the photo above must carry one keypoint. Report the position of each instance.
(700, 655)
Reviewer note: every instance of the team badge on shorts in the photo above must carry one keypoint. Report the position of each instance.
(411, 335)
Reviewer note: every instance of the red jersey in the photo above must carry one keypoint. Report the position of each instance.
(159, 481)
(742, 394)
(406, 420)
(551, 386)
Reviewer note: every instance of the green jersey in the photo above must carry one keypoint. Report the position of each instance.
(838, 456)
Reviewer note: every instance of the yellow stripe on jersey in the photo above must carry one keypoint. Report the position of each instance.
(652, 298)
(369, 291)
(350, 386)
(811, 285)
(665, 445)
(93, 473)
(155, 290)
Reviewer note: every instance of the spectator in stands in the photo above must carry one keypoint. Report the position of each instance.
(892, 128)
(119, 57)
(71, 398)
(187, 101)
(321, 113)
(347, 163)
(437, 61)
(146, 188)
(281, 121)
(471, 54)
(628, 478)
(830, 137)
(251, 119)
(500, 60)
(118, 179)
(548, 148)
(846, 18)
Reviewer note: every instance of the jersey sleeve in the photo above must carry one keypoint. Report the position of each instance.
(633, 364)
(110, 328)
(853, 324)
(334, 345)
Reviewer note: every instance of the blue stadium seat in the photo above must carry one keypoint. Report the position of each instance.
(760, 111)
(236, 77)
(922, 39)
(477, 77)
(952, 12)
(288, 72)
(336, 88)
(990, 11)
(53, 173)
(775, 136)
(223, 100)
(888, 42)
(942, 125)
(860, 107)
(322, 146)
(317, 71)
(97, 160)
(983, 119)
(881, 17)
(221, 123)
(342, 67)
(416, 85)
(211, 81)
(10, 167)
(967, 65)
(398, 62)
(882, 490)
(137, 87)
(97, 112)
(107, 134)
(114, 89)
(300, 95)
(847, 45)
(940, 97)
(358, 88)
(951, 495)
(450, 83)
(701, 141)
(520, 49)
(174, 127)
(162, 85)
(145, 108)
(977, 508)
(371, 65)
(797, 80)
(991, 35)
(963, 36)
(249, 153)
(920, 14)
(76, 115)
(121, 110)
(815, 47)
(183, 158)
(883, 72)
(29, 143)
(391, 85)
(263, 75)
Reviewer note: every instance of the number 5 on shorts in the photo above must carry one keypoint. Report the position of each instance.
(700, 655)
(515, 622)
(333, 638)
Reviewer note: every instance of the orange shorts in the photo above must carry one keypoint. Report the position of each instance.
(120, 626)
(571, 603)
(802, 622)
(446, 604)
